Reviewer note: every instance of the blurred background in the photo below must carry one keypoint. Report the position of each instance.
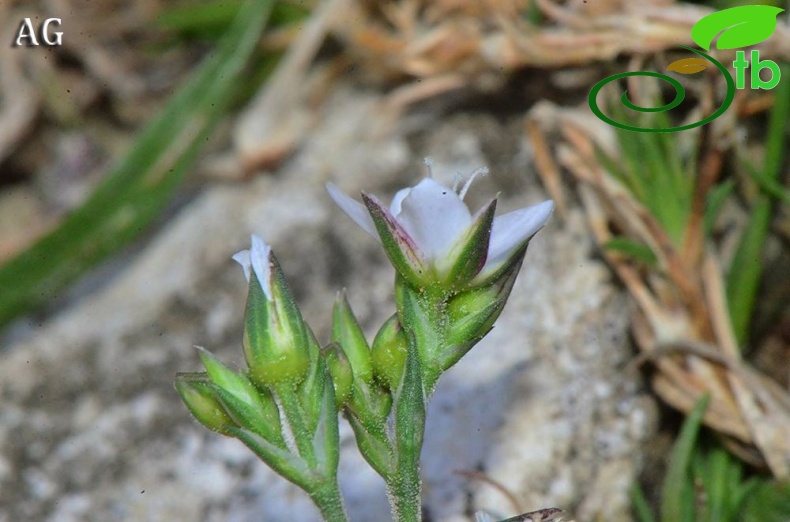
(140, 150)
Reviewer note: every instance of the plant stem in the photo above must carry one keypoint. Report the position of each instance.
(406, 496)
(329, 501)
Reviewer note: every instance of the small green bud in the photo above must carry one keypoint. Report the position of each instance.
(340, 370)
(248, 406)
(349, 336)
(472, 313)
(197, 392)
(390, 348)
(276, 342)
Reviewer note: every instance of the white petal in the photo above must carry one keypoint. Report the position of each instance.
(434, 216)
(354, 209)
(257, 259)
(512, 229)
(243, 258)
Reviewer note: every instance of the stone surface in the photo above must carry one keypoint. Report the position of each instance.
(91, 428)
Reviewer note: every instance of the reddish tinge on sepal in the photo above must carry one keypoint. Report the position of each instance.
(398, 244)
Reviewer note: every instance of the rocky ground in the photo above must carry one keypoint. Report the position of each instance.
(92, 429)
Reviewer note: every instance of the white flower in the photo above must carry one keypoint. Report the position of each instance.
(432, 223)
(257, 260)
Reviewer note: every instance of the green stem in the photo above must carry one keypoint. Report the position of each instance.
(329, 501)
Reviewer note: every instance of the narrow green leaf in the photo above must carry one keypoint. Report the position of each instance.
(677, 504)
(640, 504)
(715, 201)
(768, 502)
(771, 187)
(211, 19)
(745, 271)
(743, 277)
(141, 184)
(633, 249)
(199, 18)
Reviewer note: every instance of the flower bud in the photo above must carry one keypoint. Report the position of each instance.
(390, 348)
(340, 370)
(349, 336)
(197, 392)
(276, 342)
(472, 313)
(248, 406)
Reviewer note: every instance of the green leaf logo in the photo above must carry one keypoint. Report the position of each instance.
(738, 26)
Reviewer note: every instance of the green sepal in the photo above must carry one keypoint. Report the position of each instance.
(370, 403)
(285, 463)
(276, 343)
(248, 406)
(401, 250)
(374, 447)
(326, 437)
(310, 391)
(512, 263)
(410, 417)
(349, 336)
(340, 370)
(469, 254)
(471, 314)
(423, 315)
(197, 392)
(389, 351)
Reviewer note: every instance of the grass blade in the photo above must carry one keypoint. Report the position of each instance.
(641, 505)
(743, 277)
(678, 488)
(141, 184)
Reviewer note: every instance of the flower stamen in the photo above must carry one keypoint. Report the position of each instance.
(482, 171)
(428, 162)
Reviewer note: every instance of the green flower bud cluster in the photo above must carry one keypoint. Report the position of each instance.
(283, 405)
(454, 274)
(368, 404)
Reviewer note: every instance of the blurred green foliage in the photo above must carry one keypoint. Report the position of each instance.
(143, 182)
